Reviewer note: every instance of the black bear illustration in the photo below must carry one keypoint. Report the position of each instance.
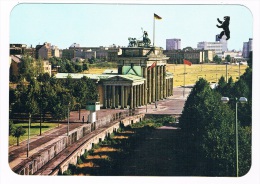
(225, 26)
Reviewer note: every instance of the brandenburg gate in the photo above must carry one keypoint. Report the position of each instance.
(141, 79)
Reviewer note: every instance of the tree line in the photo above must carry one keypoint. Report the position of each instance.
(208, 125)
(47, 94)
(66, 66)
(40, 94)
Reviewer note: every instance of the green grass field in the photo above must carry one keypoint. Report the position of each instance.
(34, 131)
(211, 72)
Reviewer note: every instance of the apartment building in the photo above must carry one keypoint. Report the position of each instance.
(247, 48)
(173, 44)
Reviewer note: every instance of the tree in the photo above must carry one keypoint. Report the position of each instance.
(217, 59)
(225, 89)
(11, 127)
(70, 68)
(18, 132)
(250, 61)
(85, 66)
(221, 84)
(78, 67)
(208, 128)
(26, 68)
(92, 60)
(228, 58)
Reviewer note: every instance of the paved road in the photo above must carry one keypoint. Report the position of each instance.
(171, 105)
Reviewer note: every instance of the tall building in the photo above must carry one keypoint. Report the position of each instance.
(219, 46)
(215, 46)
(217, 38)
(43, 51)
(173, 44)
(247, 47)
(46, 51)
(17, 49)
(195, 56)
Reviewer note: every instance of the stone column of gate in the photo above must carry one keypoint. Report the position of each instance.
(167, 87)
(134, 96)
(170, 87)
(140, 94)
(126, 96)
(113, 97)
(171, 81)
(137, 96)
(161, 81)
(131, 97)
(116, 96)
(153, 83)
(158, 83)
(109, 91)
(149, 86)
(145, 92)
(164, 82)
(105, 97)
(122, 97)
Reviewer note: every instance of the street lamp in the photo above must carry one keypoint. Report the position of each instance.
(28, 139)
(41, 110)
(226, 73)
(241, 100)
(68, 128)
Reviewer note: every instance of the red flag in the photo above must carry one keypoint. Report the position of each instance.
(187, 62)
(152, 66)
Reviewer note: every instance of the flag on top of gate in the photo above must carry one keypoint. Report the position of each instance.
(157, 17)
(187, 62)
(152, 66)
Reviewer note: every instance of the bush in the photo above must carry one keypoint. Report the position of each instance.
(71, 170)
(91, 151)
(79, 160)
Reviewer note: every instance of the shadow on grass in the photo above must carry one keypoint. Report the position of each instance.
(35, 126)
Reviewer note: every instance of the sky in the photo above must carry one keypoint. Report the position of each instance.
(93, 25)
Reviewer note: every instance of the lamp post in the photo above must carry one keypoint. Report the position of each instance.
(241, 100)
(239, 63)
(28, 140)
(226, 73)
(68, 127)
(41, 111)
(79, 106)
